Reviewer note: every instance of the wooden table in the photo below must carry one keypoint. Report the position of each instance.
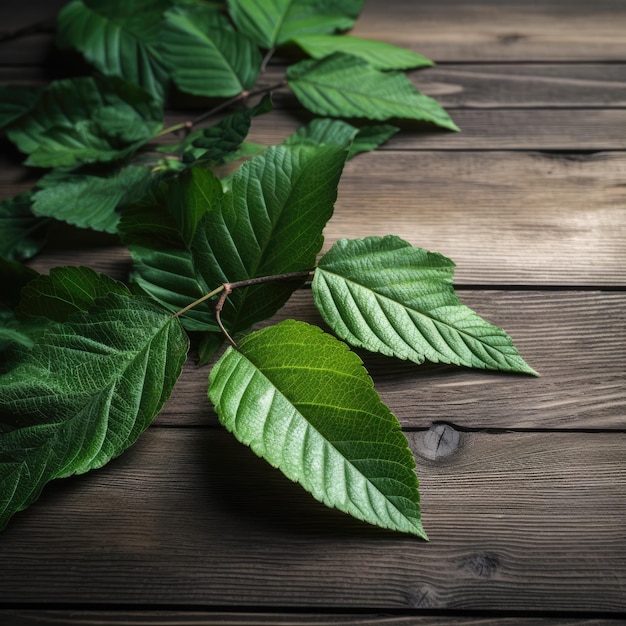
(523, 480)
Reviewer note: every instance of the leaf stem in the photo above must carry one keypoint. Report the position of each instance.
(227, 288)
(172, 129)
(266, 59)
(220, 107)
(195, 303)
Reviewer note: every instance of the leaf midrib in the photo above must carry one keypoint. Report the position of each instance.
(418, 527)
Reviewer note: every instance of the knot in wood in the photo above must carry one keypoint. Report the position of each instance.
(440, 441)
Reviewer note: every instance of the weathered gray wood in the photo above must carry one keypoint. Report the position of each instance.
(216, 618)
(189, 516)
(574, 339)
(574, 130)
(503, 217)
(457, 86)
(502, 30)
(453, 30)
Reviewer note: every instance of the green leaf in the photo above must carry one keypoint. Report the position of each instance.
(119, 38)
(270, 222)
(83, 394)
(15, 101)
(303, 402)
(73, 122)
(90, 200)
(382, 294)
(222, 140)
(66, 290)
(343, 85)
(159, 231)
(328, 131)
(22, 234)
(382, 56)
(205, 56)
(272, 23)
(13, 278)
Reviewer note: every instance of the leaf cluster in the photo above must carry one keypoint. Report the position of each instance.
(89, 361)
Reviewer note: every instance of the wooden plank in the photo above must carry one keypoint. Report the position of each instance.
(529, 218)
(450, 30)
(216, 618)
(500, 129)
(191, 517)
(456, 86)
(504, 217)
(500, 30)
(574, 339)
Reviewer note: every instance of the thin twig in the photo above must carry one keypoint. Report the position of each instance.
(199, 301)
(227, 288)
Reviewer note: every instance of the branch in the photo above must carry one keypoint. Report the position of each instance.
(227, 288)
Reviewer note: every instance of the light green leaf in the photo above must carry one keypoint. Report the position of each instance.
(90, 200)
(119, 38)
(272, 23)
(22, 234)
(70, 122)
(303, 402)
(15, 101)
(205, 56)
(382, 56)
(325, 130)
(83, 394)
(382, 294)
(66, 290)
(343, 85)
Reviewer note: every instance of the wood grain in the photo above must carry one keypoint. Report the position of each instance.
(456, 86)
(215, 618)
(580, 361)
(449, 30)
(191, 517)
(502, 30)
(505, 218)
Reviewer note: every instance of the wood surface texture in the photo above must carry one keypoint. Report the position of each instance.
(522, 480)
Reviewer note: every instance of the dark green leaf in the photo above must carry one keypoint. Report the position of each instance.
(343, 85)
(272, 23)
(13, 278)
(84, 120)
(382, 294)
(120, 38)
(205, 56)
(303, 402)
(382, 56)
(83, 394)
(159, 232)
(91, 200)
(21, 233)
(271, 221)
(268, 222)
(64, 291)
(15, 101)
(327, 131)
(222, 140)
